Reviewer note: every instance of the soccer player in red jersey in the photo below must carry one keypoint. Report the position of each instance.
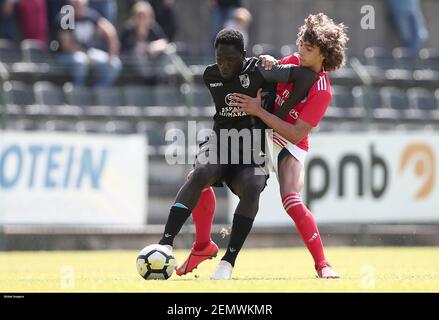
(321, 45)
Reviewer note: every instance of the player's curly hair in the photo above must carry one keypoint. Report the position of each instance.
(321, 31)
(230, 36)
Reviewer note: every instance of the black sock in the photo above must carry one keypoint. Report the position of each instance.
(240, 229)
(177, 217)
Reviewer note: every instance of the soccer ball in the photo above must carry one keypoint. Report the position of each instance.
(155, 262)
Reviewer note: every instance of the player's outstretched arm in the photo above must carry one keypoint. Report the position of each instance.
(303, 79)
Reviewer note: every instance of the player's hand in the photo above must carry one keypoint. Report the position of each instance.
(267, 61)
(248, 104)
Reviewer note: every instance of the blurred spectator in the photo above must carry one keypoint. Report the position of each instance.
(53, 11)
(107, 9)
(78, 50)
(32, 17)
(164, 15)
(220, 12)
(7, 22)
(143, 39)
(240, 21)
(409, 21)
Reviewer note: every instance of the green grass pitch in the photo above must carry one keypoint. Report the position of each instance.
(374, 269)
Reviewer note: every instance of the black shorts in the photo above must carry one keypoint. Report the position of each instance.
(214, 152)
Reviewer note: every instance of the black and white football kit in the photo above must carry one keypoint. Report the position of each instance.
(232, 155)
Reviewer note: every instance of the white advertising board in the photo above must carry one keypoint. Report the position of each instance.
(363, 178)
(60, 178)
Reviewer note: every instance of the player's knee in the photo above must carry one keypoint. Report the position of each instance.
(203, 175)
(253, 186)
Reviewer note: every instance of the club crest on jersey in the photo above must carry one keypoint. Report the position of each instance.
(245, 80)
(228, 99)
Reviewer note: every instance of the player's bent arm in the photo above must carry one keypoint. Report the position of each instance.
(309, 117)
(303, 79)
(287, 73)
(300, 91)
(292, 132)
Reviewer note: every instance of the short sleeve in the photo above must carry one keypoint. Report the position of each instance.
(291, 59)
(315, 108)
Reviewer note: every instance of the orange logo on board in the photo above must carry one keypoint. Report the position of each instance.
(424, 162)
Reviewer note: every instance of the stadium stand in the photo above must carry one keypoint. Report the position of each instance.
(404, 94)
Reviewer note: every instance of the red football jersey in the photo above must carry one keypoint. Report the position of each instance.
(313, 107)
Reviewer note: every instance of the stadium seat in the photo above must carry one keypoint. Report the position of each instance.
(379, 127)
(119, 127)
(111, 101)
(344, 75)
(347, 126)
(342, 97)
(395, 103)
(34, 51)
(325, 126)
(111, 97)
(155, 134)
(430, 58)
(343, 103)
(13, 110)
(395, 98)
(265, 48)
(129, 112)
(22, 125)
(201, 96)
(18, 93)
(140, 96)
(379, 57)
(9, 52)
(168, 96)
(406, 58)
(48, 93)
(58, 125)
(422, 99)
(287, 49)
(83, 97)
(78, 96)
(90, 126)
(368, 98)
(181, 125)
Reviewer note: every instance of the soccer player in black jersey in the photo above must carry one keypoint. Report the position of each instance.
(224, 156)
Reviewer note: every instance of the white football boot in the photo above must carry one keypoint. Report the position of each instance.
(223, 271)
(167, 246)
(328, 273)
(170, 248)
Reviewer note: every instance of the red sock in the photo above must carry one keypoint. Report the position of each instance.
(306, 226)
(202, 215)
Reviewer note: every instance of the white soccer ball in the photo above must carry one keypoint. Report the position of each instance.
(155, 262)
